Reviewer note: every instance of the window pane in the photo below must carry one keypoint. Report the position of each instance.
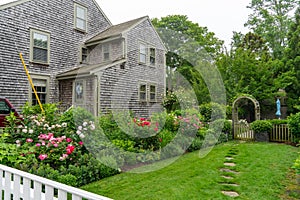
(142, 96)
(152, 96)
(40, 54)
(40, 40)
(142, 49)
(152, 88)
(143, 88)
(80, 13)
(80, 24)
(142, 58)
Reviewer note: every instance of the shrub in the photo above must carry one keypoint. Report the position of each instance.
(278, 121)
(196, 144)
(294, 125)
(211, 111)
(261, 126)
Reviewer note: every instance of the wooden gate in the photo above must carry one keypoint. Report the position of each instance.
(242, 131)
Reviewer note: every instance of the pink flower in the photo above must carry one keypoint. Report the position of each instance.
(55, 145)
(29, 140)
(63, 157)
(69, 140)
(70, 149)
(155, 129)
(38, 144)
(43, 156)
(80, 143)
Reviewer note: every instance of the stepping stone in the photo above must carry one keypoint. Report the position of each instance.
(230, 184)
(230, 164)
(228, 170)
(229, 158)
(227, 177)
(230, 193)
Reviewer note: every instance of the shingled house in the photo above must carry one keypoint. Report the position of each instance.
(75, 56)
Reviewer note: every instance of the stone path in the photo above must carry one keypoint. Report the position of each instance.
(229, 163)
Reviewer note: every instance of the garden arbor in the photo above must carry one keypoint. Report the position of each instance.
(243, 130)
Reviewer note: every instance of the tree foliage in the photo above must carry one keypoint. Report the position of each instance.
(271, 20)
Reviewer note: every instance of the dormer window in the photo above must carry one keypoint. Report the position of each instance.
(80, 18)
(106, 50)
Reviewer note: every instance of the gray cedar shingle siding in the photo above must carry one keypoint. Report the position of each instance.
(120, 86)
(55, 17)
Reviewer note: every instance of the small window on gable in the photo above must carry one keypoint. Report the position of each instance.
(80, 17)
(152, 56)
(143, 53)
(143, 92)
(152, 93)
(106, 50)
(84, 55)
(39, 47)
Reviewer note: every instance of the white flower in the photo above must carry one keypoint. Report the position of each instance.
(92, 127)
(64, 124)
(85, 129)
(84, 124)
(80, 128)
(24, 130)
(53, 126)
(46, 125)
(78, 132)
(18, 141)
(20, 126)
(58, 126)
(81, 136)
(30, 131)
(49, 129)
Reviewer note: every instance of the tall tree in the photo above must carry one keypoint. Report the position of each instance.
(186, 42)
(271, 20)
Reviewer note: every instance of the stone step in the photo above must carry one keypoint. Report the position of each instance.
(230, 193)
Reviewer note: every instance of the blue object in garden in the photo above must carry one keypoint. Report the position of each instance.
(278, 113)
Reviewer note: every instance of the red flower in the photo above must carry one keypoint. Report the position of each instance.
(80, 143)
(142, 119)
(70, 149)
(146, 123)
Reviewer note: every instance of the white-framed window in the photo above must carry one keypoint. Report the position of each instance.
(142, 92)
(39, 46)
(152, 56)
(79, 91)
(84, 55)
(41, 86)
(80, 17)
(152, 93)
(147, 92)
(143, 53)
(106, 51)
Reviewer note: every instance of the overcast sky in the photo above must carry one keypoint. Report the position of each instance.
(220, 16)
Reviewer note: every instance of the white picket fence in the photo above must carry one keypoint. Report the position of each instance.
(16, 185)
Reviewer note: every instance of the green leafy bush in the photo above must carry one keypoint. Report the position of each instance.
(212, 111)
(261, 126)
(294, 125)
(278, 121)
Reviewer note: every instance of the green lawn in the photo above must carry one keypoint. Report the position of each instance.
(262, 170)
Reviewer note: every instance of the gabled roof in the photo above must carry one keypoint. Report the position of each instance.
(86, 70)
(11, 3)
(116, 30)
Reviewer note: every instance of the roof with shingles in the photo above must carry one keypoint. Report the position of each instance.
(116, 30)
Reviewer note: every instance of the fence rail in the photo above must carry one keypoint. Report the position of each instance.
(16, 185)
(281, 133)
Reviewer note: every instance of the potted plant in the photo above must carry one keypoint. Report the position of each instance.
(261, 130)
